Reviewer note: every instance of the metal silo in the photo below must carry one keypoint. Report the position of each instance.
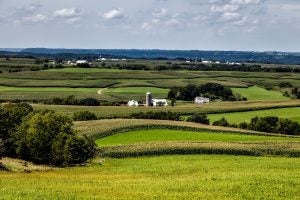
(148, 99)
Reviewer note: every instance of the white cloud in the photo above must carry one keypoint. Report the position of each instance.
(67, 13)
(160, 13)
(224, 8)
(35, 18)
(245, 2)
(116, 13)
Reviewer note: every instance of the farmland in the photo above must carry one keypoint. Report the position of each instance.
(164, 177)
(161, 135)
(119, 80)
(257, 93)
(157, 159)
(184, 109)
(238, 117)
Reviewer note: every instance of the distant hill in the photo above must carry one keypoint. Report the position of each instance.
(229, 56)
(224, 56)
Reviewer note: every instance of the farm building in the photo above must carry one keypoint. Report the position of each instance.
(159, 102)
(201, 100)
(155, 102)
(81, 62)
(133, 103)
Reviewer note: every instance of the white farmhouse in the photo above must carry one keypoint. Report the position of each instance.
(159, 102)
(133, 103)
(81, 62)
(201, 100)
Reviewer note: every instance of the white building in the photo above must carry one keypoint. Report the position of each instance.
(133, 103)
(201, 100)
(159, 102)
(81, 62)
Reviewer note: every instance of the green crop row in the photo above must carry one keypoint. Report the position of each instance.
(287, 149)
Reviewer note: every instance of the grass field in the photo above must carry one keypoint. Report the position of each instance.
(238, 117)
(257, 93)
(208, 177)
(180, 135)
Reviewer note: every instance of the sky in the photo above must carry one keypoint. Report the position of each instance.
(251, 25)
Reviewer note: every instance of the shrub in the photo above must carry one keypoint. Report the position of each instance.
(243, 125)
(156, 115)
(89, 102)
(84, 116)
(264, 124)
(272, 125)
(45, 137)
(221, 122)
(285, 85)
(199, 118)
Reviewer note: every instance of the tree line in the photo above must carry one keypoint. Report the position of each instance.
(214, 91)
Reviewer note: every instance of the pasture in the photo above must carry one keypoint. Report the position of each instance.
(258, 93)
(238, 117)
(165, 177)
(161, 135)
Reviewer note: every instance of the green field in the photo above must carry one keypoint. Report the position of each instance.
(257, 93)
(238, 117)
(125, 79)
(180, 135)
(208, 177)
(4, 89)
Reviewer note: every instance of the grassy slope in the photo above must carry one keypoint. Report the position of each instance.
(290, 113)
(257, 93)
(180, 135)
(168, 177)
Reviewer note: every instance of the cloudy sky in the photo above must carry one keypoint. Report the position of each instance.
(260, 25)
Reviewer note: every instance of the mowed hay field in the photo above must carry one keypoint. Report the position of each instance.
(238, 117)
(257, 93)
(208, 177)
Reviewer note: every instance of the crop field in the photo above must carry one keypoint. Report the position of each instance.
(238, 117)
(184, 109)
(165, 177)
(161, 135)
(257, 93)
(102, 128)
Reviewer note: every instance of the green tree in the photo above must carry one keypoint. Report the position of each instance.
(199, 118)
(43, 138)
(11, 116)
(221, 122)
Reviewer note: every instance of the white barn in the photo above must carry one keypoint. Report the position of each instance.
(159, 102)
(133, 103)
(201, 100)
(81, 62)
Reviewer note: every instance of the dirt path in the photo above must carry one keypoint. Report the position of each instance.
(101, 91)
